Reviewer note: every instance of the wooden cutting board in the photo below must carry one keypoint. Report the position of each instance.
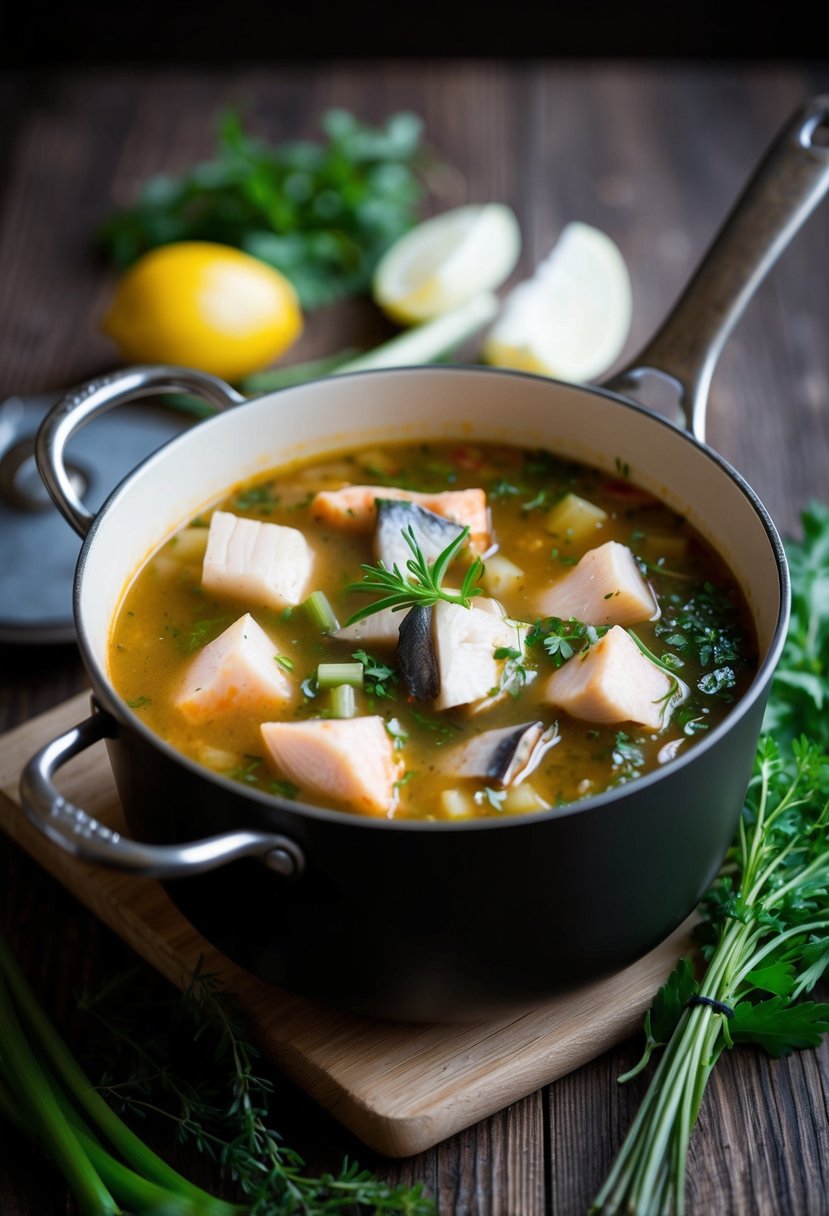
(399, 1087)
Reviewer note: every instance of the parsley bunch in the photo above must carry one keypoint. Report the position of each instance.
(764, 935)
(321, 213)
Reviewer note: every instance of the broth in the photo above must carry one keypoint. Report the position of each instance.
(546, 514)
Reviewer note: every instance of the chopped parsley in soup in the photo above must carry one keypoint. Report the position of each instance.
(434, 631)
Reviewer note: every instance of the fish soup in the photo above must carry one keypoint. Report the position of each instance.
(435, 631)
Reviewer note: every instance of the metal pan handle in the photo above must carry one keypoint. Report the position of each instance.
(83, 404)
(79, 834)
(786, 187)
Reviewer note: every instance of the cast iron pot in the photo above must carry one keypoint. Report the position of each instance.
(424, 920)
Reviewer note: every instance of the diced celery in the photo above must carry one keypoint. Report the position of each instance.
(343, 701)
(329, 675)
(320, 611)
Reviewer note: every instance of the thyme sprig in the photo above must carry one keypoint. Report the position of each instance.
(421, 584)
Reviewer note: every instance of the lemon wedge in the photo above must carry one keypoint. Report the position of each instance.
(447, 260)
(572, 318)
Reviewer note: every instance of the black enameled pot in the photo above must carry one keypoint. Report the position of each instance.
(425, 920)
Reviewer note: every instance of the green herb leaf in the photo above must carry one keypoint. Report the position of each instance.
(777, 1026)
(321, 213)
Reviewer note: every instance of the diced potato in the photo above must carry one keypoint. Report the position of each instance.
(457, 804)
(217, 757)
(524, 798)
(501, 576)
(575, 519)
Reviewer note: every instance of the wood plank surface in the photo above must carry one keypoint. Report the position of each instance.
(654, 154)
(400, 1088)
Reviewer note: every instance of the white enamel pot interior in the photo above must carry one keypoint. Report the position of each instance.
(407, 405)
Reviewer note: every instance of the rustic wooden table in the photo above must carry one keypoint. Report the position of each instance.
(654, 154)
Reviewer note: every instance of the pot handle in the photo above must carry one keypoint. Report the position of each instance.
(782, 193)
(82, 404)
(79, 834)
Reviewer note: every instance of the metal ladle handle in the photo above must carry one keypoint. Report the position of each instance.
(785, 188)
(83, 404)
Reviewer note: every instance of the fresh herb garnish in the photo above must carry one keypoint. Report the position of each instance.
(257, 498)
(284, 661)
(139, 702)
(322, 213)
(423, 583)
(515, 675)
(441, 729)
(764, 935)
(562, 639)
(379, 680)
(283, 789)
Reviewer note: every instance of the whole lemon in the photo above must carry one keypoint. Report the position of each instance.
(203, 305)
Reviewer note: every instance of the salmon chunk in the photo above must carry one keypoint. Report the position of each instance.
(349, 760)
(605, 588)
(259, 563)
(354, 508)
(237, 670)
(612, 681)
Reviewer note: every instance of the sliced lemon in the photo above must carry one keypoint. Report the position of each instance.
(447, 260)
(203, 305)
(572, 318)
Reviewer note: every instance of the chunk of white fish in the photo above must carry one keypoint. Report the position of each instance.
(379, 629)
(604, 588)
(502, 757)
(432, 532)
(465, 641)
(348, 760)
(237, 670)
(260, 563)
(613, 681)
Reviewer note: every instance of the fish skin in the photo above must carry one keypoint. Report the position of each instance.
(604, 588)
(416, 656)
(259, 563)
(353, 508)
(612, 682)
(504, 756)
(348, 760)
(236, 670)
(432, 532)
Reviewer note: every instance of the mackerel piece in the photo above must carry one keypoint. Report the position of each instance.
(503, 757)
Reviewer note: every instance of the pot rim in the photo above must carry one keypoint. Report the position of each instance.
(111, 701)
